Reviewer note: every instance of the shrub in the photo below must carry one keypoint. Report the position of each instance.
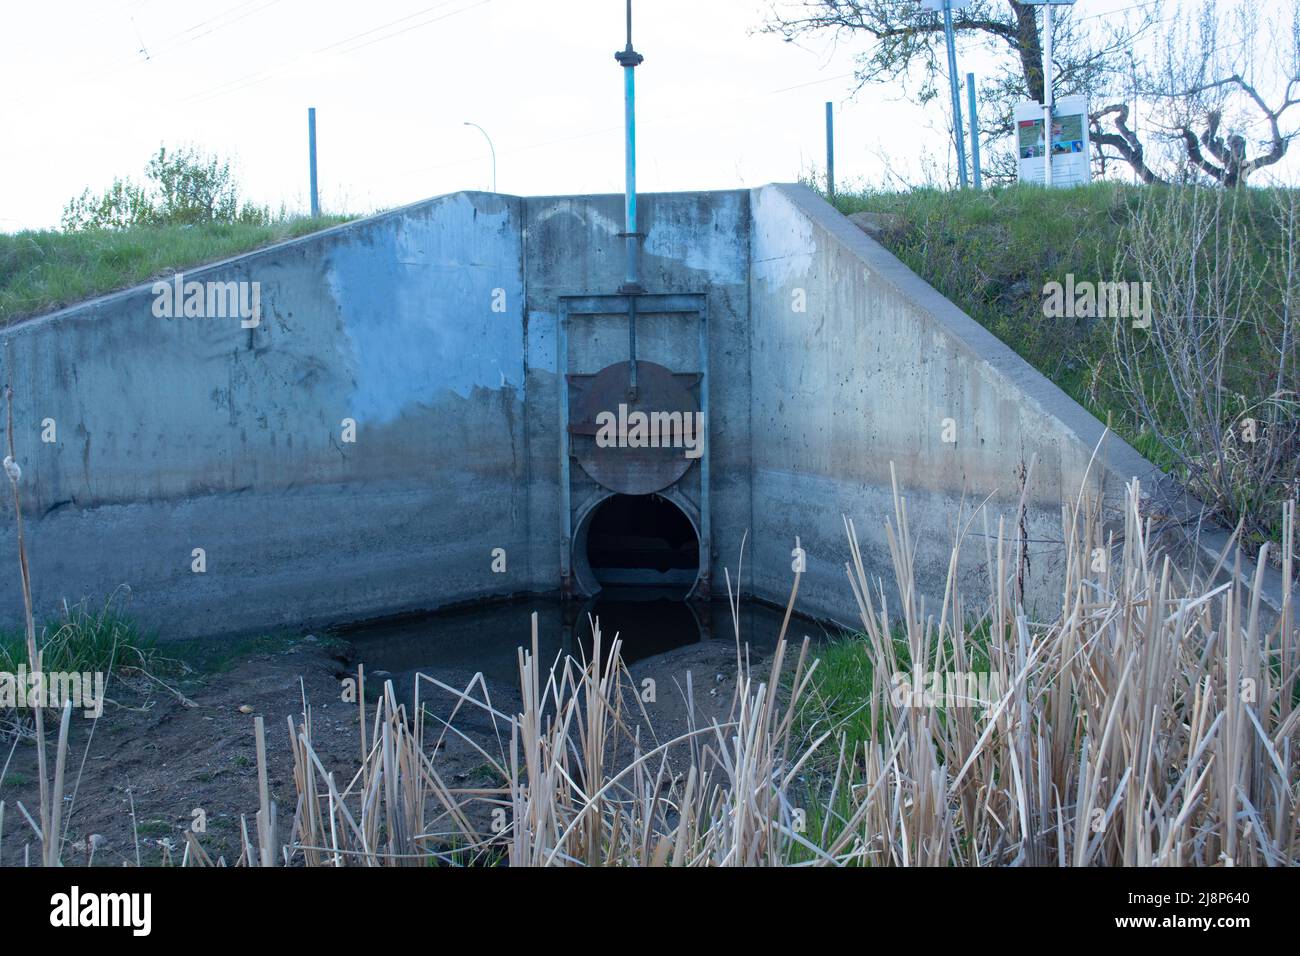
(183, 187)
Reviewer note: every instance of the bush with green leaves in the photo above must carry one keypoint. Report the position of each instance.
(182, 187)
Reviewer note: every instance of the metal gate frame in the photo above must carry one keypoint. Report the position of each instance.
(675, 303)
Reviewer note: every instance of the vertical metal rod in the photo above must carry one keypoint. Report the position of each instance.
(566, 514)
(1133, 74)
(311, 152)
(629, 170)
(704, 591)
(1047, 95)
(830, 152)
(631, 347)
(632, 275)
(974, 130)
(956, 95)
(629, 59)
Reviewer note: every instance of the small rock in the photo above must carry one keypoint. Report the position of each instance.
(245, 709)
(311, 638)
(876, 223)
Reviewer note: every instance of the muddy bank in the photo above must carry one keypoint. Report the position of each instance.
(162, 757)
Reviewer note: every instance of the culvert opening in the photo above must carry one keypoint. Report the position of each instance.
(642, 541)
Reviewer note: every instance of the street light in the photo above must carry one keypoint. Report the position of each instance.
(492, 148)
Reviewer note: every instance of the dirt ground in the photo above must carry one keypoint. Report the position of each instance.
(158, 755)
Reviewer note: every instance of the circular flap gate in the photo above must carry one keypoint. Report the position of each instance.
(636, 443)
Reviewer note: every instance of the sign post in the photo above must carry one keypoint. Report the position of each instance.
(1065, 144)
(1047, 88)
(1048, 102)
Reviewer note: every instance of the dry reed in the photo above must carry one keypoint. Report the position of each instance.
(1154, 721)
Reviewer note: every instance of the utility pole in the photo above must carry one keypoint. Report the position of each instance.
(946, 7)
(974, 130)
(830, 152)
(1047, 94)
(956, 96)
(311, 152)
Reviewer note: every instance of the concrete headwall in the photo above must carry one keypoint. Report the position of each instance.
(182, 433)
(434, 329)
(695, 242)
(858, 364)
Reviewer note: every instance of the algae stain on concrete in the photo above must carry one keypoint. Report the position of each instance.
(430, 308)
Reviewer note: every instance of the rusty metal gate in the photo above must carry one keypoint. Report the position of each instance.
(640, 386)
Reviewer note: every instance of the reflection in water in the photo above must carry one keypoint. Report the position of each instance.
(455, 645)
(647, 621)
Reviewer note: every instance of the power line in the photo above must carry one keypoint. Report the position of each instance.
(203, 23)
(167, 47)
(711, 108)
(222, 26)
(384, 26)
(1111, 13)
(261, 76)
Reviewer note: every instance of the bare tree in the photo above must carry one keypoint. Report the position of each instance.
(905, 45)
(1217, 89)
(1213, 377)
(1214, 87)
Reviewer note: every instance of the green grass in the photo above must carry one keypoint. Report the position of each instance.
(44, 271)
(841, 694)
(154, 828)
(82, 638)
(840, 700)
(206, 656)
(992, 252)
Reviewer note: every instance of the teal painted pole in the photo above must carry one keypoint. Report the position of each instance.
(629, 59)
(953, 85)
(311, 151)
(830, 152)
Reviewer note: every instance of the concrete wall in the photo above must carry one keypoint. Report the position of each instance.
(175, 434)
(695, 242)
(427, 325)
(865, 378)
(434, 327)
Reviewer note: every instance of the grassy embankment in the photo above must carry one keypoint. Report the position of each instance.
(47, 270)
(992, 253)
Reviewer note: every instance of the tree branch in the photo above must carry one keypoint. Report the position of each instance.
(1125, 142)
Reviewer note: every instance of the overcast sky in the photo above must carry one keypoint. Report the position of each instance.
(720, 105)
